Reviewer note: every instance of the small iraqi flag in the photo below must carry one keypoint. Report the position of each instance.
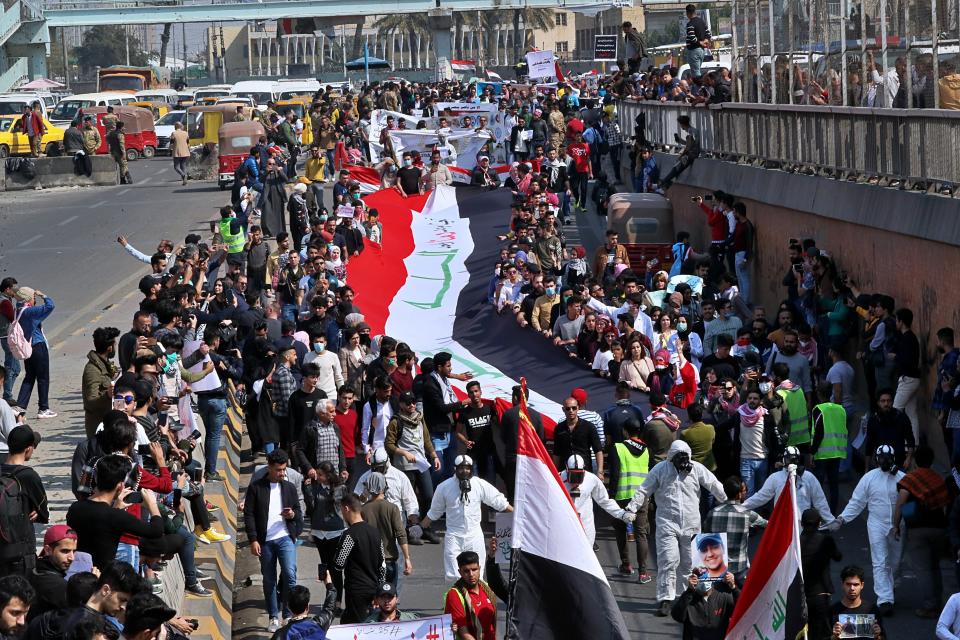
(462, 65)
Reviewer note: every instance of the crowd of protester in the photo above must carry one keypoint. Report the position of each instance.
(363, 445)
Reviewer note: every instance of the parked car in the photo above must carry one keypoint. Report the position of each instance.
(14, 143)
(164, 128)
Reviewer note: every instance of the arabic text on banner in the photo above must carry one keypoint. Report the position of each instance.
(432, 628)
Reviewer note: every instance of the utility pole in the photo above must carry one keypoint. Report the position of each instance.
(183, 33)
(223, 54)
(126, 39)
(66, 59)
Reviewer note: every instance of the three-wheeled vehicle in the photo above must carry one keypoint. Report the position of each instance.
(203, 122)
(236, 140)
(300, 105)
(157, 107)
(645, 224)
(139, 134)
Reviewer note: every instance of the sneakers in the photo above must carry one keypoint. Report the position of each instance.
(663, 609)
(274, 625)
(644, 578)
(210, 506)
(213, 476)
(198, 590)
(46, 413)
(184, 180)
(202, 575)
(625, 569)
(209, 536)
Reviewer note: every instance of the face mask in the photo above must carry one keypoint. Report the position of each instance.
(550, 291)
(407, 162)
(681, 462)
(391, 362)
(661, 367)
(765, 387)
(681, 326)
(804, 343)
(565, 298)
(886, 464)
(575, 476)
(319, 347)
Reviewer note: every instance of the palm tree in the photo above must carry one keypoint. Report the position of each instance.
(164, 41)
(406, 24)
(487, 23)
(533, 20)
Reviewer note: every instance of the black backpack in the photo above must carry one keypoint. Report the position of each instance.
(16, 530)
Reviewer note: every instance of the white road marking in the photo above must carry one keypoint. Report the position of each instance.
(68, 221)
(31, 240)
(120, 193)
(97, 205)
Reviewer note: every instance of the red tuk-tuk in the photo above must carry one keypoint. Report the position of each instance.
(235, 141)
(139, 134)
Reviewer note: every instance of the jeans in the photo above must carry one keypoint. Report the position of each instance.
(186, 554)
(905, 400)
(36, 369)
(214, 413)
(284, 551)
(446, 450)
(128, 553)
(694, 58)
(638, 184)
(289, 312)
(328, 169)
(743, 275)
(616, 152)
(12, 365)
(828, 473)
(180, 166)
(753, 472)
(422, 483)
(564, 205)
(316, 189)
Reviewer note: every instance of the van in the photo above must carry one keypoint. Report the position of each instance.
(157, 95)
(209, 94)
(261, 91)
(292, 88)
(66, 110)
(12, 104)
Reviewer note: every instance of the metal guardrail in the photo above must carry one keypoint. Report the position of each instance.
(9, 22)
(901, 144)
(17, 71)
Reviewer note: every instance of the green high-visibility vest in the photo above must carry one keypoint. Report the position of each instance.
(799, 418)
(233, 241)
(834, 419)
(633, 471)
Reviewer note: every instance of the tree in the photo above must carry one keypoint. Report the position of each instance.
(533, 20)
(107, 45)
(164, 42)
(409, 25)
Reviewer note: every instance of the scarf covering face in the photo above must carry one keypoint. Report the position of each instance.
(751, 417)
(449, 397)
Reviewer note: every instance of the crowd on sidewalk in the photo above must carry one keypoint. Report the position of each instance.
(363, 445)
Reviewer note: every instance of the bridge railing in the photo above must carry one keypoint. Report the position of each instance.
(896, 144)
(18, 69)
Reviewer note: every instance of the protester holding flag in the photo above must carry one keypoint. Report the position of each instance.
(675, 486)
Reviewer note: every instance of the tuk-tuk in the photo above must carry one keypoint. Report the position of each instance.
(301, 107)
(158, 108)
(203, 122)
(140, 136)
(645, 224)
(236, 140)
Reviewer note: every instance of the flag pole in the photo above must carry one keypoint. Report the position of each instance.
(366, 61)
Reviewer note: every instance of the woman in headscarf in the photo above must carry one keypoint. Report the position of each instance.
(337, 266)
(661, 378)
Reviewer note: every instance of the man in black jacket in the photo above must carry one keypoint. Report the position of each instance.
(440, 405)
(302, 624)
(361, 559)
(49, 576)
(705, 610)
(507, 443)
(273, 520)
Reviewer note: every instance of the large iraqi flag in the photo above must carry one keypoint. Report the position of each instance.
(772, 604)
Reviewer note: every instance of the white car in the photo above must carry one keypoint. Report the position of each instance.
(164, 128)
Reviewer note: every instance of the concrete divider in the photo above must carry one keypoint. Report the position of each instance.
(219, 560)
(58, 172)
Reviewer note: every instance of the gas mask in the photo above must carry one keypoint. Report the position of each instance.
(885, 459)
(576, 472)
(463, 466)
(791, 456)
(681, 461)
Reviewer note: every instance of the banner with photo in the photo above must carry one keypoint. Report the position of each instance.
(432, 628)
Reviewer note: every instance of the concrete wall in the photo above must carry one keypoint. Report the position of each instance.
(58, 172)
(900, 243)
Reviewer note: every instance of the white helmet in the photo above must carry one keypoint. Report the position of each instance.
(463, 460)
(575, 462)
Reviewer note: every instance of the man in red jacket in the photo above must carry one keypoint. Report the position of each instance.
(32, 125)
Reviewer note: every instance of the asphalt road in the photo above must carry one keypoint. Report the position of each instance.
(63, 241)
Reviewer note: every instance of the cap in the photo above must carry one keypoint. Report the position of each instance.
(407, 397)
(26, 293)
(380, 456)
(146, 282)
(580, 395)
(58, 532)
(376, 483)
(575, 462)
(386, 589)
(482, 158)
(22, 437)
(300, 187)
(709, 539)
(463, 460)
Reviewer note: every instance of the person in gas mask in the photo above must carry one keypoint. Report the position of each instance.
(675, 486)
(399, 492)
(586, 489)
(877, 493)
(809, 491)
(460, 498)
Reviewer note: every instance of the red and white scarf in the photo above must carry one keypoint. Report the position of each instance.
(664, 414)
(750, 417)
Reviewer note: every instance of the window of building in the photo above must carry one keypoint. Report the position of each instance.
(561, 47)
(561, 19)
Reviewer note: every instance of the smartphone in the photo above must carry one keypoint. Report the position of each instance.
(133, 498)
(321, 572)
(708, 197)
(798, 268)
(162, 419)
(194, 623)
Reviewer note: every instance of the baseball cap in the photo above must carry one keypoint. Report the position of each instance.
(711, 539)
(386, 589)
(22, 437)
(58, 532)
(407, 398)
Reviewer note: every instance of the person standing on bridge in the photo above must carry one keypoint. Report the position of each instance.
(180, 150)
(698, 40)
(690, 151)
(116, 141)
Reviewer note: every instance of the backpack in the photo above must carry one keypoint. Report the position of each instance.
(306, 629)
(16, 530)
(19, 344)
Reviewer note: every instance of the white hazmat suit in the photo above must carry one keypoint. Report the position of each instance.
(677, 495)
(877, 493)
(463, 519)
(809, 494)
(592, 491)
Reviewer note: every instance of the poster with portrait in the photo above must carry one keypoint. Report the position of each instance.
(856, 625)
(710, 556)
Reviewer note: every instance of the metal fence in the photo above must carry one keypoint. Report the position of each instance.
(902, 144)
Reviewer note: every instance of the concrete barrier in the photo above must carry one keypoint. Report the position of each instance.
(58, 172)
(215, 614)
